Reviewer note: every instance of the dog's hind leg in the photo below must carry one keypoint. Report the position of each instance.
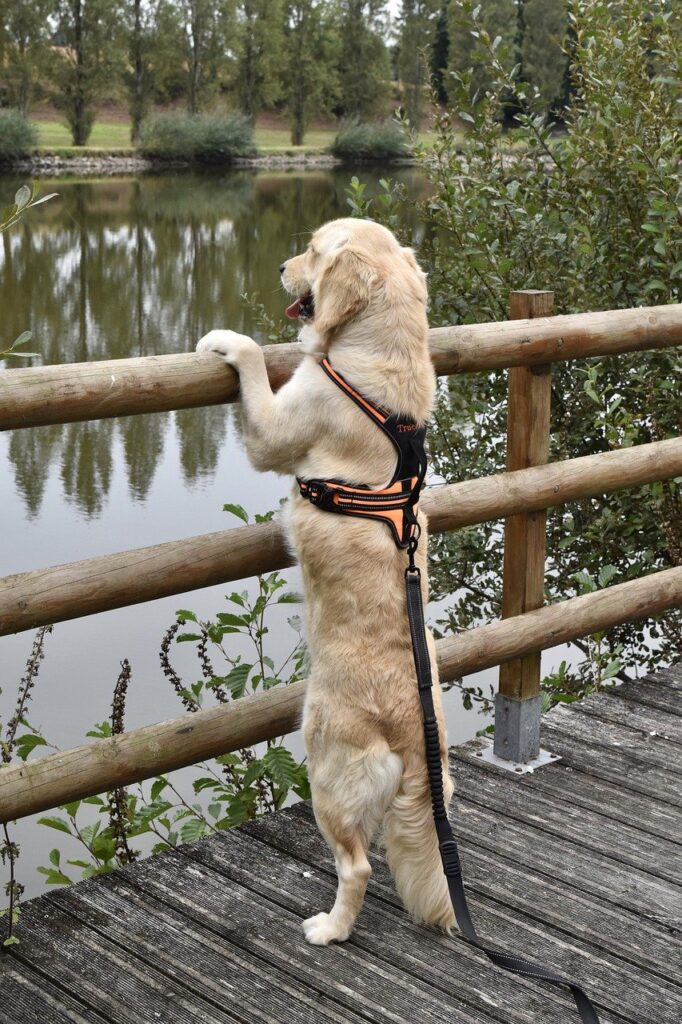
(351, 792)
(411, 846)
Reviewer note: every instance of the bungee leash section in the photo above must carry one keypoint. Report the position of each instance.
(396, 506)
(447, 844)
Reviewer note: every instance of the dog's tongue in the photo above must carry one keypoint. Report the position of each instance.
(293, 310)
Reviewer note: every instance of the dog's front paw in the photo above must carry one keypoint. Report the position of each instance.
(321, 930)
(231, 346)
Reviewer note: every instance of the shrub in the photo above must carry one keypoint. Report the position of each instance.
(364, 142)
(202, 138)
(18, 137)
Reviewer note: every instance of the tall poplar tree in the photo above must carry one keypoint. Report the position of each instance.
(259, 62)
(140, 21)
(24, 47)
(439, 52)
(204, 28)
(364, 66)
(309, 74)
(85, 61)
(543, 60)
(418, 20)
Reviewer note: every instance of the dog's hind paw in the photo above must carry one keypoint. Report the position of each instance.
(322, 929)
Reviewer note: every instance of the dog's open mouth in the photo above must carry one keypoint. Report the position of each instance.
(303, 307)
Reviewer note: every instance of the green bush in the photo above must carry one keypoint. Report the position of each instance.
(380, 142)
(592, 213)
(200, 138)
(18, 137)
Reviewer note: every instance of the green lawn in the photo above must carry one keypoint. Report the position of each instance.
(105, 135)
(110, 135)
(116, 135)
(273, 139)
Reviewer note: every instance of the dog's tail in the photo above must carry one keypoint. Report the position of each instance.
(411, 845)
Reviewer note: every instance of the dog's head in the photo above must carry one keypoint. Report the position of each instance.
(350, 269)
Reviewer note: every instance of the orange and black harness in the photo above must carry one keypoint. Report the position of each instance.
(396, 505)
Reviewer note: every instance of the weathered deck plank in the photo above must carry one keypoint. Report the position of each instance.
(432, 960)
(27, 998)
(640, 747)
(512, 930)
(608, 763)
(589, 829)
(660, 691)
(122, 988)
(370, 985)
(572, 786)
(209, 965)
(579, 865)
(609, 706)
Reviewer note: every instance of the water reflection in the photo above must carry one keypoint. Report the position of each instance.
(133, 267)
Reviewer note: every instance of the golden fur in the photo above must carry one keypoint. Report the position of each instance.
(362, 718)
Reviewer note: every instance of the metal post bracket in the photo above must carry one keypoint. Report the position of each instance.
(543, 758)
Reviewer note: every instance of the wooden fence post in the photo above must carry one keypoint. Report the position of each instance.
(518, 702)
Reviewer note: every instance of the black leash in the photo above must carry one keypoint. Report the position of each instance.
(446, 840)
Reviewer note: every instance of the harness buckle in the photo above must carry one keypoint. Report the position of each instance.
(319, 494)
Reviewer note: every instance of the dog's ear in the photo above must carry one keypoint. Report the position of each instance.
(342, 291)
(419, 275)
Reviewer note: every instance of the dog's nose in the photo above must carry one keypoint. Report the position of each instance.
(281, 267)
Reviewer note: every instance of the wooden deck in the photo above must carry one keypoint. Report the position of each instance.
(578, 865)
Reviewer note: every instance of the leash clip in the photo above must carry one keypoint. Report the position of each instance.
(412, 546)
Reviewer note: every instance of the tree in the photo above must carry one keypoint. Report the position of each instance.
(308, 75)
(364, 68)
(499, 19)
(193, 37)
(140, 29)
(86, 60)
(439, 53)
(543, 59)
(205, 25)
(24, 45)
(418, 20)
(259, 63)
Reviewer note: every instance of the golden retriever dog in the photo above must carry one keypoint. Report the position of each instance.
(363, 298)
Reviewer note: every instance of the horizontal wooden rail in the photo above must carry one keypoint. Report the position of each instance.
(27, 788)
(86, 391)
(131, 577)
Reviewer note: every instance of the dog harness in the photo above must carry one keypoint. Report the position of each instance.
(395, 504)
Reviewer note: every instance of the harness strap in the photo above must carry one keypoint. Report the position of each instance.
(447, 844)
(396, 504)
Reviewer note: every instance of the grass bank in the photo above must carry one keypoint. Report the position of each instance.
(114, 137)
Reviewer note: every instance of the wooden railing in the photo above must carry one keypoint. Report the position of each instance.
(60, 394)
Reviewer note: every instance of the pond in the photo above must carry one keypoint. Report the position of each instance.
(125, 267)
